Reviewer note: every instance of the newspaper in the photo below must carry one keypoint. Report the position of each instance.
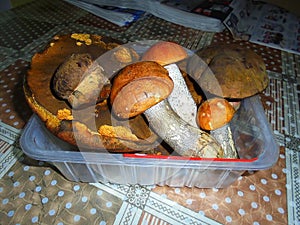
(218, 9)
(264, 24)
(116, 15)
(175, 13)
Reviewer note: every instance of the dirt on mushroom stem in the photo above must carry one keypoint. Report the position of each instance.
(185, 139)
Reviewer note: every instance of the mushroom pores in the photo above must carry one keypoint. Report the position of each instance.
(214, 113)
(138, 87)
(165, 53)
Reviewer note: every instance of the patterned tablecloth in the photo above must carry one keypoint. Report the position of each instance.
(34, 192)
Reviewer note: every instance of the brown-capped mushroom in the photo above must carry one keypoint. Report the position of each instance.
(214, 115)
(167, 54)
(142, 88)
(139, 86)
(228, 71)
(80, 81)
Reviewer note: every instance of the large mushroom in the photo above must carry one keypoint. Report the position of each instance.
(164, 53)
(167, 54)
(230, 72)
(143, 87)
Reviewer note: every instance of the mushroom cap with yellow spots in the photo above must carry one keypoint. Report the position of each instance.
(229, 71)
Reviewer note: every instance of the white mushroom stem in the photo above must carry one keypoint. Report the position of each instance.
(181, 99)
(87, 91)
(185, 139)
(223, 135)
(183, 104)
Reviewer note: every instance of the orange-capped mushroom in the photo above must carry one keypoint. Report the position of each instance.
(165, 52)
(214, 113)
(138, 87)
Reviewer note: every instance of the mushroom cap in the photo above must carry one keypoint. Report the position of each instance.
(214, 113)
(138, 87)
(229, 71)
(165, 52)
(70, 73)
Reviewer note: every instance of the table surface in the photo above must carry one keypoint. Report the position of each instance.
(34, 192)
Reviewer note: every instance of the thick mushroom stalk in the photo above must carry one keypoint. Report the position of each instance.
(183, 104)
(180, 98)
(223, 135)
(144, 87)
(185, 139)
(167, 54)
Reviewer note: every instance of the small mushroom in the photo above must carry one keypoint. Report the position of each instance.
(80, 81)
(143, 87)
(214, 115)
(124, 55)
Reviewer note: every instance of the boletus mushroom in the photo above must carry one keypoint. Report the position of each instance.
(143, 87)
(214, 115)
(164, 53)
(231, 72)
(78, 80)
(168, 54)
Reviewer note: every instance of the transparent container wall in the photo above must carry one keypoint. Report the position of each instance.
(251, 132)
(174, 177)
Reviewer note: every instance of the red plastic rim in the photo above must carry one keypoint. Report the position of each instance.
(146, 156)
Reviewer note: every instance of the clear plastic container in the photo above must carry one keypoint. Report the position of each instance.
(256, 147)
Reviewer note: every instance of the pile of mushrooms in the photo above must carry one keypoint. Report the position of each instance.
(226, 74)
(145, 87)
(156, 88)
